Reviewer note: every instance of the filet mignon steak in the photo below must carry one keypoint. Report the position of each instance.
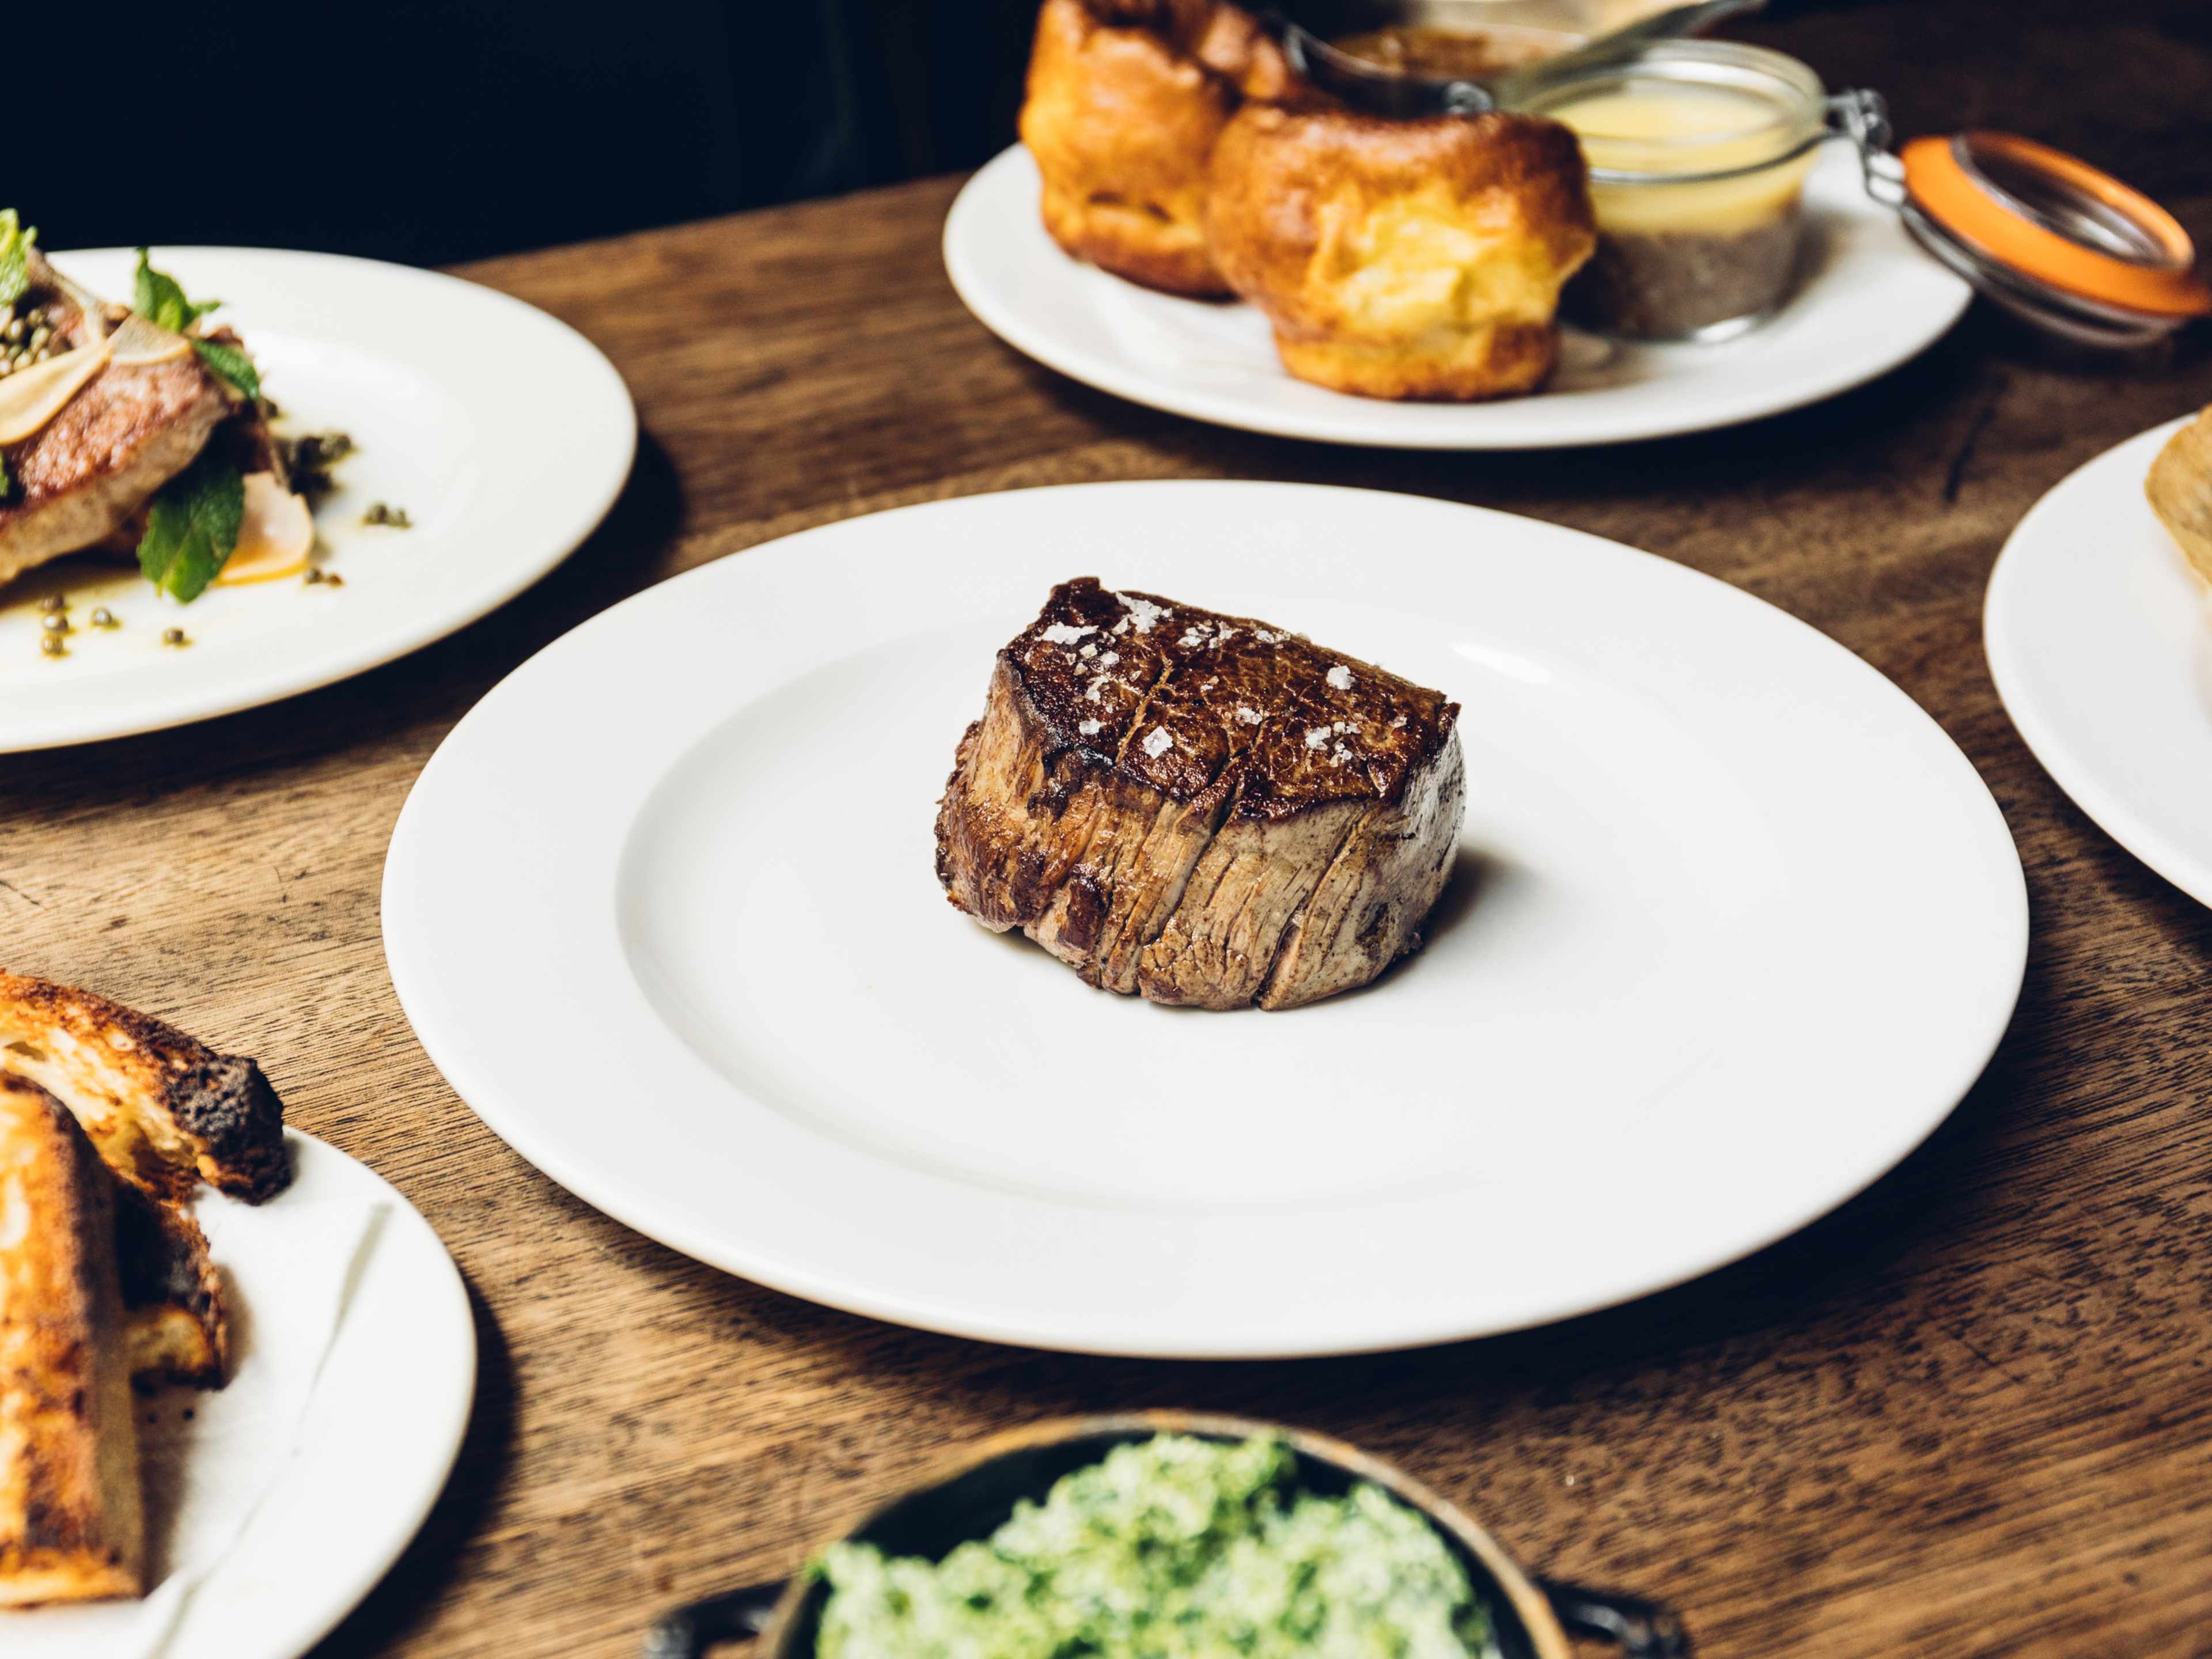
(1199, 809)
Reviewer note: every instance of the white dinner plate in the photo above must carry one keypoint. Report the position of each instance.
(277, 1503)
(502, 433)
(1734, 927)
(1867, 300)
(2099, 640)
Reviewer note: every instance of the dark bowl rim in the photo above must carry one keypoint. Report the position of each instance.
(1525, 1601)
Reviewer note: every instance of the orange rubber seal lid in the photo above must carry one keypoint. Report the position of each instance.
(1944, 184)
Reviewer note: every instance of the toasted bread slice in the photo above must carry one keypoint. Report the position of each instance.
(176, 1323)
(2180, 491)
(72, 1523)
(166, 1112)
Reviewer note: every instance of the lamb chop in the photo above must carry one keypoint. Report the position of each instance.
(84, 478)
(88, 472)
(1199, 808)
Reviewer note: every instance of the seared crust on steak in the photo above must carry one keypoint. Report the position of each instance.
(86, 475)
(166, 1112)
(1200, 809)
(72, 1525)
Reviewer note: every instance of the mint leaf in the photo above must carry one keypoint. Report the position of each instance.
(15, 257)
(232, 364)
(192, 528)
(162, 302)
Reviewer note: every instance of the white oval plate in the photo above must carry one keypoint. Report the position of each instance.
(306, 1513)
(1735, 928)
(2099, 640)
(1870, 299)
(504, 435)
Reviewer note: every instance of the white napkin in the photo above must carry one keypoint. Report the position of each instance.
(211, 1458)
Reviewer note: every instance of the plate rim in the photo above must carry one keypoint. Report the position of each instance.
(375, 1565)
(613, 1197)
(963, 268)
(249, 691)
(2005, 653)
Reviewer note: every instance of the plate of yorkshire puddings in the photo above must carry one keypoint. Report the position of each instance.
(235, 1365)
(1660, 248)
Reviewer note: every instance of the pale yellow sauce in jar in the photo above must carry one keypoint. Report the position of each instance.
(1663, 130)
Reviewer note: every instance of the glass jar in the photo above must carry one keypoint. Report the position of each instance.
(1698, 152)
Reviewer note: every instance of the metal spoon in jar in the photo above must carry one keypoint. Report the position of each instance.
(1382, 91)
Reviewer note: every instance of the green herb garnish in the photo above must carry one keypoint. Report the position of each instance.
(15, 257)
(231, 364)
(192, 528)
(159, 299)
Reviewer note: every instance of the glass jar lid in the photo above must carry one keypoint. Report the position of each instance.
(2051, 238)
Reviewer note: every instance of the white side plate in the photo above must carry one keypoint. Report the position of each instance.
(503, 434)
(1868, 300)
(327, 1500)
(1735, 927)
(2099, 640)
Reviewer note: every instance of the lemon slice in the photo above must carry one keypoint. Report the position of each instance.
(138, 343)
(274, 539)
(32, 397)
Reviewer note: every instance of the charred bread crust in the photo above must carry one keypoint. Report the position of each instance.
(165, 1111)
(72, 1524)
(176, 1324)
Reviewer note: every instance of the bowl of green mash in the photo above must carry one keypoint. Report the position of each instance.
(1166, 1535)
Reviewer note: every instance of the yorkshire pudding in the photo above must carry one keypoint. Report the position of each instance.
(1125, 100)
(1402, 258)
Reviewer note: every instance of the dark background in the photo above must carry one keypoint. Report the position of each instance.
(437, 130)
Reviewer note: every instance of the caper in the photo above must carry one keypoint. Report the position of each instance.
(54, 602)
(54, 622)
(54, 646)
(175, 636)
(103, 617)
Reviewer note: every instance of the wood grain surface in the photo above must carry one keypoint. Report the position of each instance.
(1968, 1415)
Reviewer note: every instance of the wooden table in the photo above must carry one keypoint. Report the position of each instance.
(1968, 1414)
